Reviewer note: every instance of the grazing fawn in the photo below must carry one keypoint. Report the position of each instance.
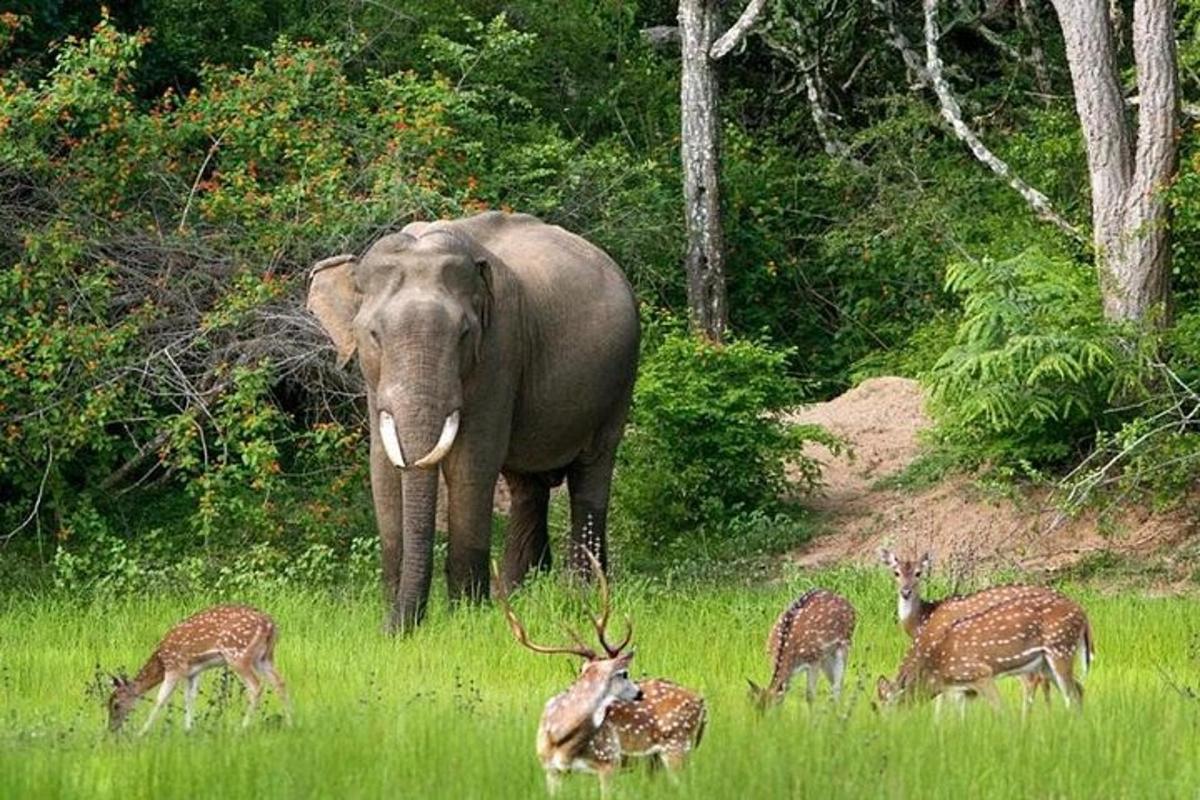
(239, 637)
(915, 612)
(604, 718)
(812, 634)
(1036, 634)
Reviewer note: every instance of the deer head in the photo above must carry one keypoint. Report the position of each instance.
(122, 700)
(907, 572)
(603, 677)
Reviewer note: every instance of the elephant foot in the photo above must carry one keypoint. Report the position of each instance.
(405, 618)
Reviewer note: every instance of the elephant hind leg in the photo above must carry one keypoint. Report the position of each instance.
(589, 482)
(527, 539)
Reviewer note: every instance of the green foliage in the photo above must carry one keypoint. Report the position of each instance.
(1034, 367)
(153, 266)
(707, 442)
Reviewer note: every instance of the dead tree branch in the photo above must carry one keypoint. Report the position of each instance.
(952, 113)
(737, 32)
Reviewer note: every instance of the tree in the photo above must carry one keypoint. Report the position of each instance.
(1128, 168)
(708, 305)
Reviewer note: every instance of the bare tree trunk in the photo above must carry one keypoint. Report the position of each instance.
(705, 259)
(708, 304)
(1129, 214)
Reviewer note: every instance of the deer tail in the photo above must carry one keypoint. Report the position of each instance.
(1089, 650)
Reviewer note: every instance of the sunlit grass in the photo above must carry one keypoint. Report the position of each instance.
(451, 710)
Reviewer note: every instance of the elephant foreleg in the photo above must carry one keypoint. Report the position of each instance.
(470, 521)
(527, 538)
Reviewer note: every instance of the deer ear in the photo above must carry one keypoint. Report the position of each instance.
(334, 299)
(887, 557)
(926, 561)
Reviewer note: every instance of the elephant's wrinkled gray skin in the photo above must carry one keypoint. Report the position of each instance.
(495, 343)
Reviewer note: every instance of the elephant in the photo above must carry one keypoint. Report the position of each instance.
(492, 344)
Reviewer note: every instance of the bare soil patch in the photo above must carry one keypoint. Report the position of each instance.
(958, 522)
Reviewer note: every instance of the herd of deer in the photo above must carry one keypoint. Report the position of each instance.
(605, 719)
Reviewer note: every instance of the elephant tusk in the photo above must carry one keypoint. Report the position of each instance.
(445, 442)
(391, 443)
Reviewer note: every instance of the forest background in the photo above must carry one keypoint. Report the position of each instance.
(170, 169)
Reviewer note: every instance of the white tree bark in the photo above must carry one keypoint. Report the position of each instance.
(1128, 172)
(708, 303)
(796, 50)
(952, 113)
(705, 259)
(916, 67)
(738, 30)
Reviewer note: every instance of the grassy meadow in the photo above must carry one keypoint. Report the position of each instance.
(451, 710)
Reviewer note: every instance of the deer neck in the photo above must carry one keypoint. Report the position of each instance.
(915, 612)
(149, 676)
(572, 719)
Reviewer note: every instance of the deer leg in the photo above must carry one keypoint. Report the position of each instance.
(810, 683)
(267, 668)
(553, 782)
(164, 694)
(835, 671)
(604, 773)
(986, 688)
(673, 760)
(1063, 671)
(189, 699)
(253, 689)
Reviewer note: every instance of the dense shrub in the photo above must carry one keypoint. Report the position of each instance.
(707, 442)
(153, 256)
(1034, 366)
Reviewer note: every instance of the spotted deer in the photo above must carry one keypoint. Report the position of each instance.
(605, 718)
(1032, 634)
(240, 637)
(812, 634)
(916, 612)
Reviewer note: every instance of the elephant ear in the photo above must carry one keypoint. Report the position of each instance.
(485, 290)
(334, 299)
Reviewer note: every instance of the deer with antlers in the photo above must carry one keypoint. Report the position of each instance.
(240, 637)
(916, 612)
(605, 718)
(1032, 634)
(811, 635)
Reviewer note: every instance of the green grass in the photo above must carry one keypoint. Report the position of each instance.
(451, 711)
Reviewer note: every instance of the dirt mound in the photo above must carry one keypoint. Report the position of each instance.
(961, 524)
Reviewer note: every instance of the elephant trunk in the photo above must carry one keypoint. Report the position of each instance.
(420, 504)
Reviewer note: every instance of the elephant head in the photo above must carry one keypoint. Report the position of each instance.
(416, 310)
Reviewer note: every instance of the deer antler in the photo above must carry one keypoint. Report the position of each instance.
(522, 636)
(600, 623)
